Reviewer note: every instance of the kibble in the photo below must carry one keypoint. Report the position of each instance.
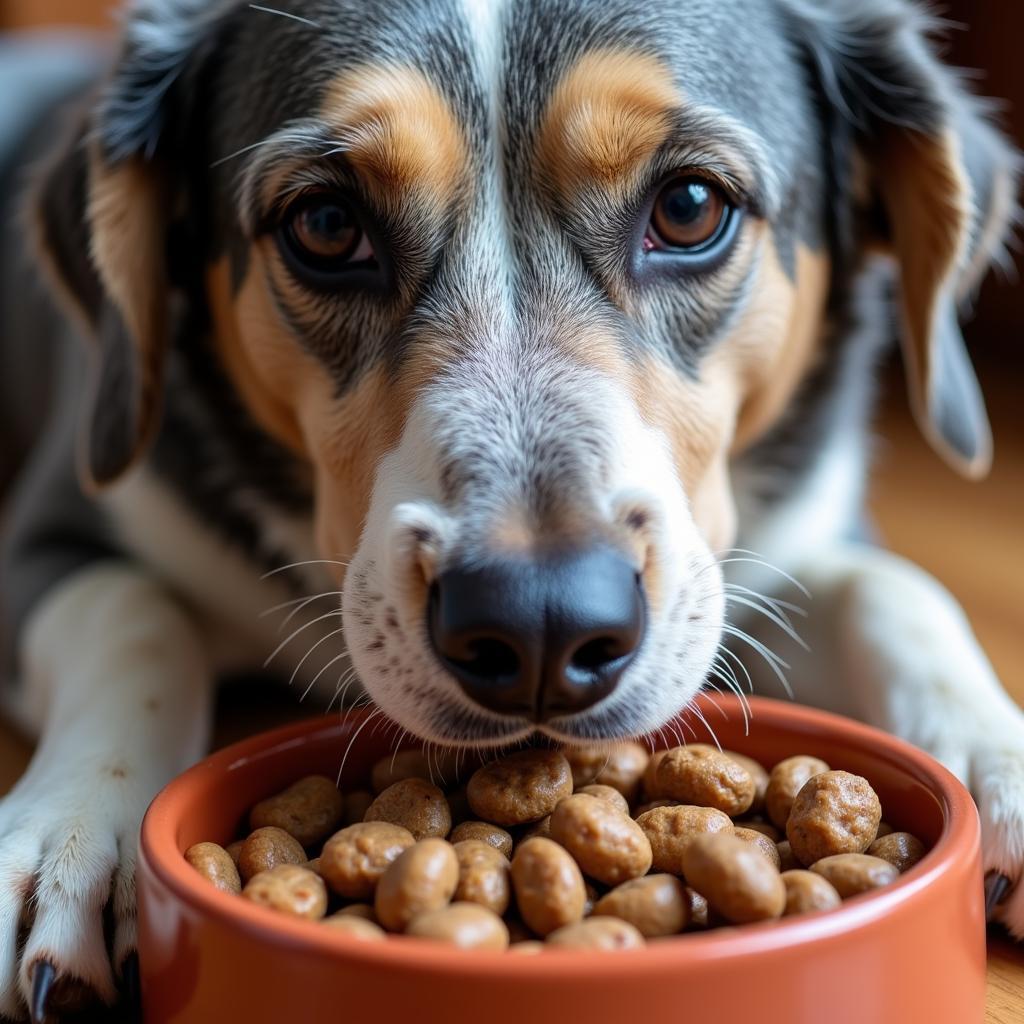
(521, 788)
(422, 878)
(289, 889)
(901, 849)
(834, 812)
(704, 776)
(308, 810)
(599, 847)
(608, 845)
(416, 805)
(265, 849)
(785, 780)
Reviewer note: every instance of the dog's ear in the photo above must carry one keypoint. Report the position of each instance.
(916, 167)
(107, 207)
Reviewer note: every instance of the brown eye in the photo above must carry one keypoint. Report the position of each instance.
(325, 228)
(689, 213)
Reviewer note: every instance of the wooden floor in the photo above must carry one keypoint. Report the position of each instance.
(969, 535)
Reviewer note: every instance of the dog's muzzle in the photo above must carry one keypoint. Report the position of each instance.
(538, 638)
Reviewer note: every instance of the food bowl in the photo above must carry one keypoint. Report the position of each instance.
(914, 951)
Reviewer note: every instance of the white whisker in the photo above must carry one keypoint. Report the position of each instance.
(784, 624)
(302, 660)
(297, 565)
(285, 14)
(312, 622)
(333, 661)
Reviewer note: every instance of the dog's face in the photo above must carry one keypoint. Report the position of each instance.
(517, 280)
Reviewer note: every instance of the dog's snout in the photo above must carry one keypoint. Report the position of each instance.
(539, 638)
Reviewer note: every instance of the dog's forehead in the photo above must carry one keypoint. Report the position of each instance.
(731, 56)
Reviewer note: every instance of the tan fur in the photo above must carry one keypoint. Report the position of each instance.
(127, 214)
(606, 118)
(291, 395)
(399, 132)
(928, 200)
(744, 386)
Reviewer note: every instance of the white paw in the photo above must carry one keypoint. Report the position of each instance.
(997, 781)
(67, 886)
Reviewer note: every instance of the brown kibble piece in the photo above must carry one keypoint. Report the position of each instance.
(527, 947)
(697, 909)
(669, 829)
(524, 787)
(483, 876)
(705, 777)
(761, 842)
(834, 812)
(607, 844)
(357, 803)
(623, 768)
(901, 849)
(787, 862)
(758, 773)
(363, 910)
(484, 831)
(266, 848)
(357, 927)
(649, 782)
(234, 850)
(406, 764)
(884, 829)
(854, 873)
(354, 859)
(608, 794)
(600, 934)
(785, 780)
(736, 879)
(314, 865)
(289, 889)
(310, 810)
(652, 805)
(416, 805)
(807, 892)
(466, 925)
(655, 905)
(422, 878)
(760, 826)
(214, 863)
(548, 885)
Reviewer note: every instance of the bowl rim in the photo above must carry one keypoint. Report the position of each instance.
(158, 851)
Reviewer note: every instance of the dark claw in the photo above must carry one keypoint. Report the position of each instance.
(43, 977)
(53, 995)
(997, 888)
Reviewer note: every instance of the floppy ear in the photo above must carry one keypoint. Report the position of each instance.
(105, 208)
(925, 174)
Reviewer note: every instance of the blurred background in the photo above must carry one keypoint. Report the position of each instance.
(970, 536)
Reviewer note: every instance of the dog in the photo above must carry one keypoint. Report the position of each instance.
(529, 343)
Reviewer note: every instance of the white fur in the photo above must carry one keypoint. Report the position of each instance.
(675, 655)
(117, 678)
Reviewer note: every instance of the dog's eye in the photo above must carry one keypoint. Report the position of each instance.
(322, 237)
(689, 215)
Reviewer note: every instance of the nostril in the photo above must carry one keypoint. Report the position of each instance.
(596, 653)
(489, 658)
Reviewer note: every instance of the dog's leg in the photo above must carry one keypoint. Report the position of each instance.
(116, 679)
(891, 646)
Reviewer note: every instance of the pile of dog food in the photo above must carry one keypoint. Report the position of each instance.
(603, 847)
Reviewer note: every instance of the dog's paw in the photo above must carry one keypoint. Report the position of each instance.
(997, 780)
(67, 893)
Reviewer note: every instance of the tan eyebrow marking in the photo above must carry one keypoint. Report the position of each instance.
(398, 129)
(606, 117)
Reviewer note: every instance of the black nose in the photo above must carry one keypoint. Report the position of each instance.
(539, 638)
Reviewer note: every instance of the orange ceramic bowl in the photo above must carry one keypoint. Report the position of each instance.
(914, 952)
